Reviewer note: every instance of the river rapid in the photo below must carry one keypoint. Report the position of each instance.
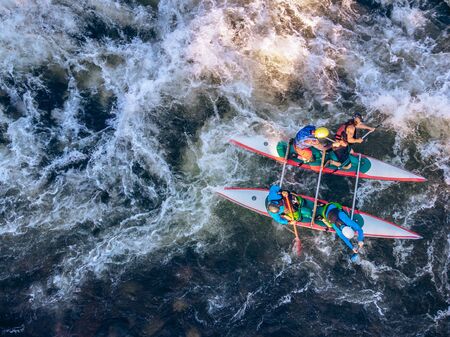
(115, 118)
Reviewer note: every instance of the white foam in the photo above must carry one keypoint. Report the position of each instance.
(410, 19)
(248, 55)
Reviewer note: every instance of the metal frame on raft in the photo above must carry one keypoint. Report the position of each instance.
(320, 177)
(356, 186)
(313, 218)
(316, 197)
(318, 187)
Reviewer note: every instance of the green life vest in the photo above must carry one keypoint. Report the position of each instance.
(324, 212)
(298, 210)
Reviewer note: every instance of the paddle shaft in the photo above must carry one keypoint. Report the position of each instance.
(289, 206)
(356, 185)
(287, 201)
(288, 148)
(368, 133)
(317, 188)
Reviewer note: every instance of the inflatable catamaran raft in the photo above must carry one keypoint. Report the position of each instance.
(362, 167)
(254, 199)
(369, 168)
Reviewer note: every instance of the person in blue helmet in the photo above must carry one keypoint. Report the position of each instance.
(280, 212)
(304, 140)
(335, 217)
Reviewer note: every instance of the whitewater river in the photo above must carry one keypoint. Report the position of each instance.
(114, 125)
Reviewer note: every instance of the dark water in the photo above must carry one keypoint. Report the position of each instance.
(114, 121)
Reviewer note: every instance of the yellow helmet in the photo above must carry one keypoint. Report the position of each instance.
(321, 133)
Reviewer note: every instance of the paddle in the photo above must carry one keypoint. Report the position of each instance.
(355, 256)
(297, 244)
(317, 188)
(368, 133)
(356, 186)
(288, 148)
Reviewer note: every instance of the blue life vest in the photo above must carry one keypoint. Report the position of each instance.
(303, 135)
(275, 197)
(274, 193)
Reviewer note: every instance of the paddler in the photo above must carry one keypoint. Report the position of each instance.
(347, 131)
(275, 205)
(306, 138)
(345, 135)
(335, 217)
(342, 152)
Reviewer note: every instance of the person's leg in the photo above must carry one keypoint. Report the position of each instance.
(343, 156)
(346, 167)
(332, 162)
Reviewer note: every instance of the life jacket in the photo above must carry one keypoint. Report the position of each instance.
(324, 212)
(305, 154)
(296, 207)
(341, 132)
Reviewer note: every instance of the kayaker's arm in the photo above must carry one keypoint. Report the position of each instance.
(360, 232)
(319, 146)
(274, 192)
(349, 222)
(351, 135)
(279, 218)
(364, 127)
(343, 238)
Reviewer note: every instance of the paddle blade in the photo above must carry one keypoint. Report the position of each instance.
(354, 258)
(297, 248)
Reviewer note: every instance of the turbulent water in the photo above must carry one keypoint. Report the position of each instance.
(114, 125)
